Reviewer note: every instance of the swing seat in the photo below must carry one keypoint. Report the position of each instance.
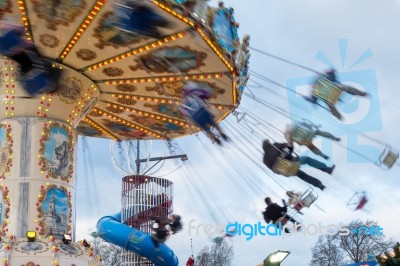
(303, 134)
(327, 91)
(309, 198)
(304, 200)
(285, 167)
(388, 157)
(358, 201)
(362, 203)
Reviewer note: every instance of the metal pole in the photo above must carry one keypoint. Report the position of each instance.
(191, 246)
(138, 159)
(182, 156)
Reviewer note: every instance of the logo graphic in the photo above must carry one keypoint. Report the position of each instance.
(282, 230)
(361, 115)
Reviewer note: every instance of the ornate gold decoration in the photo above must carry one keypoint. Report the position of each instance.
(126, 101)
(45, 247)
(126, 88)
(74, 246)
(30, 264)
(49, 40)
(86, 54)
(114, 110)
(113, 71)
(70, 89)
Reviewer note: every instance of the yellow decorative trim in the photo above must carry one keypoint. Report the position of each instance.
(200, 31)
(147, 114)
(127, 123)
(25, 21)
(157, 99)
(172, 12)
(165, 78)
(234, 92)
(89, 18)
(102, 129)
(81, 104)
(224, 116)
(142, 49)
(144, 98)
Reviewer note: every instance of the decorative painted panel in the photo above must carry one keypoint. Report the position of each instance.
(174, 59)
(123, 130)
(55, 211)
(225, 28)
(56, 151)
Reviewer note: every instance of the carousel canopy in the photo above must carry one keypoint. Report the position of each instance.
(131, 87)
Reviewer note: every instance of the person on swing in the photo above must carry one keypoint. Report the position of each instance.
(291, 136)
(272, 151)
(138, 18)
(36, 73)
(194, 105)
(330, 75)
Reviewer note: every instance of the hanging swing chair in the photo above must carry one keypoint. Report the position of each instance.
(285, 167)
(358, 201)
(303, 132)
(299, 201)
(326, 91)
(388, 158)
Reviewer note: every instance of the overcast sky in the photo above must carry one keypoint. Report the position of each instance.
(231, 179)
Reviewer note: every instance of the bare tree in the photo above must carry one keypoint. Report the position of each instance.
(356, 246)
(109, 253)
(326, 252)
(218, 254)
(360, 244)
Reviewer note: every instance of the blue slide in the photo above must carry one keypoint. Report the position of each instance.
(113, 231)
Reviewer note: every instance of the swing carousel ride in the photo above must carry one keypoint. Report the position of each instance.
(127, 88)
